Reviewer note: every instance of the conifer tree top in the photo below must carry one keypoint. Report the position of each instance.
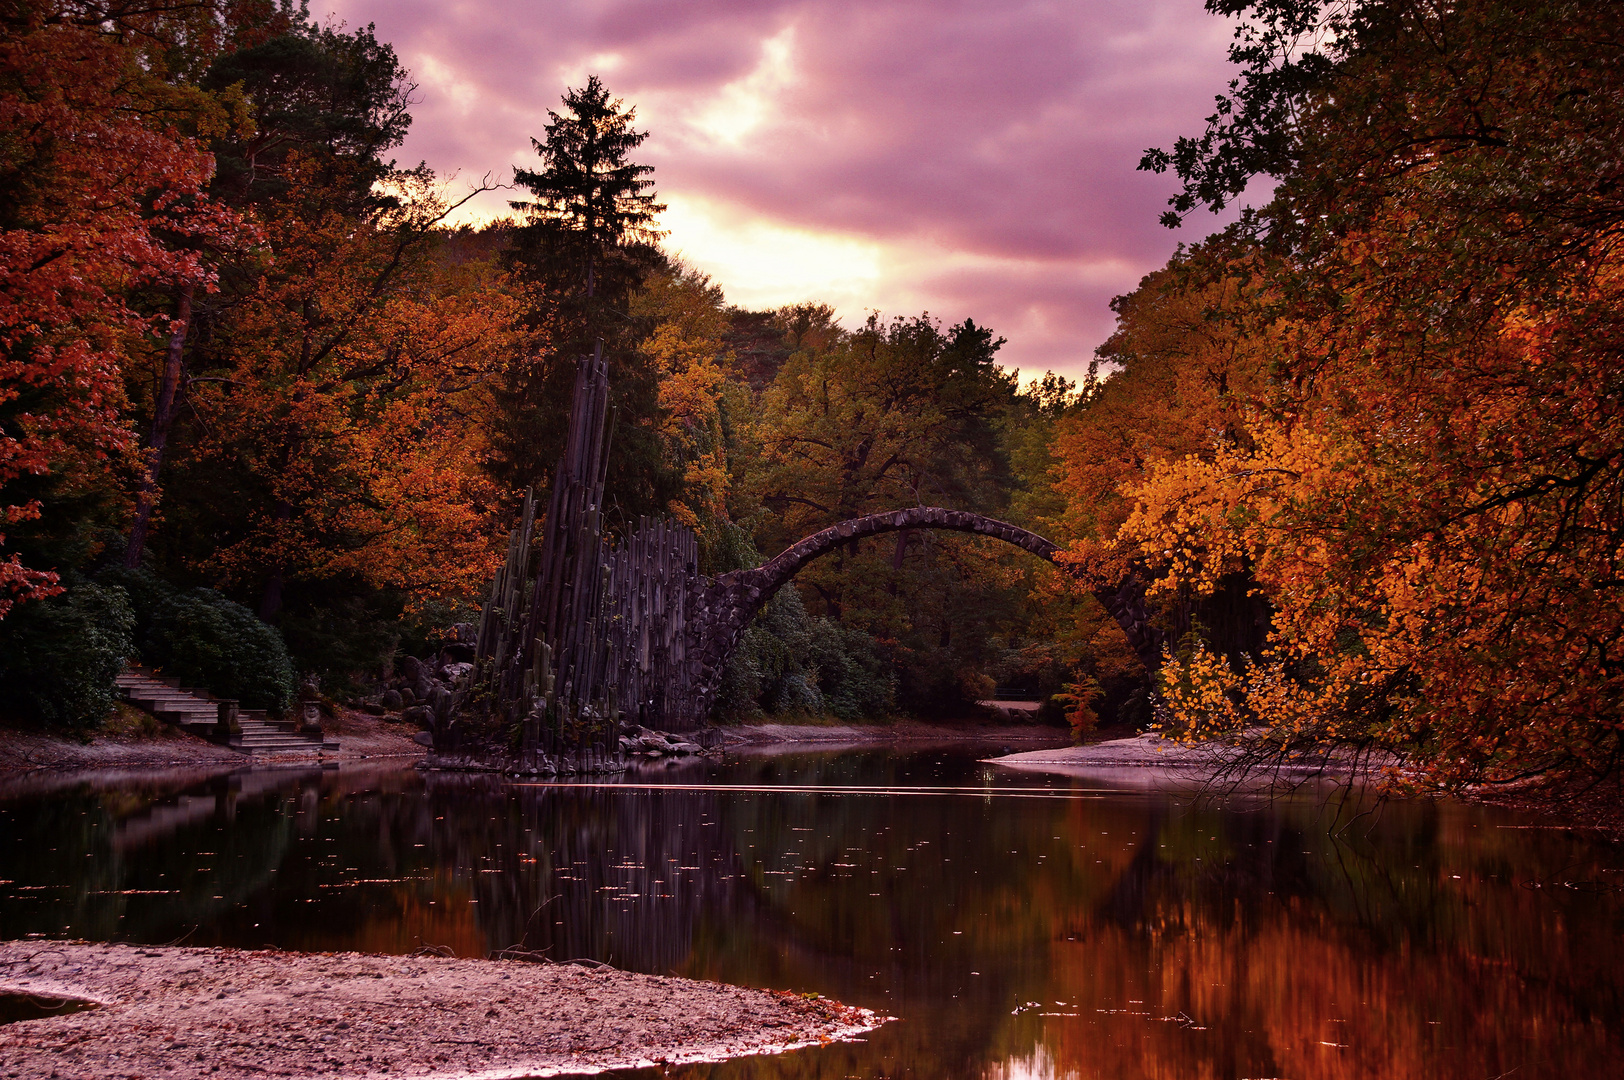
(586, 186)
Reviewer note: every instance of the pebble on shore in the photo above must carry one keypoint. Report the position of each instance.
(226, 1013)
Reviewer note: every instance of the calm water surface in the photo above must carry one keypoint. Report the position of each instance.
(1018, 925)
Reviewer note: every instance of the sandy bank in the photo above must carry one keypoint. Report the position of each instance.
(225, 1013)
(1157, 758)
(363, 736)
(908, 731)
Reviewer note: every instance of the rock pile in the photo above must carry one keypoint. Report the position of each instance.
(646, 742)
(422, 691)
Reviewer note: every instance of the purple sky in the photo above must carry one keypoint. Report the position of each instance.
(966, 158)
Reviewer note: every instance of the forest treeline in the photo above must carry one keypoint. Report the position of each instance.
(266, 414)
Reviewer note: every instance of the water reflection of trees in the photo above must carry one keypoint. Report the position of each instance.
(1213, 940)
(89, 854)
(1256, 944)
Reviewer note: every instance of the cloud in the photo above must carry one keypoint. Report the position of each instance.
(973, 159)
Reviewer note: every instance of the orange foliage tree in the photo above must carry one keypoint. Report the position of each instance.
(101, 193)
(1433, 494)
(355, 374)
(1192, 348)
(695, 393)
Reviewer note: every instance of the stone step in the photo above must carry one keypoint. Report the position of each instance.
(195, 712)
(135, 678)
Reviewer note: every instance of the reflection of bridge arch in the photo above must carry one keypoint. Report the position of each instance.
(731, 600)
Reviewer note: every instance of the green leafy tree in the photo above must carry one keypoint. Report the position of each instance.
(326, 106)
(895, 414)
(1286, 52)
(587, 242)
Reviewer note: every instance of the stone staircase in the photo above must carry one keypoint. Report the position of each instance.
(196, 712)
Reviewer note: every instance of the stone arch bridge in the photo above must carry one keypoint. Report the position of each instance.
(722, 607)
(582, 631)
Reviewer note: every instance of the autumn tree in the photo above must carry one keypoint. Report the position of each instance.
(103, 195)
(706, 421)
(1431, 492)
(329, 467)
(304, 101)
(352, 373)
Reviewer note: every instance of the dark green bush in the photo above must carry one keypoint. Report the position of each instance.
(855, 678)
(346, 640)
(146, 591)
(203, 639)
(59, 656)
(790, 664)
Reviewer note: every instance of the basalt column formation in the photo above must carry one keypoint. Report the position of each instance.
(580, 633)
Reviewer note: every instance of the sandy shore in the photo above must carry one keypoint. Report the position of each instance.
(363, 736)
(226, 1013)
(1155, 759)
(878, 734)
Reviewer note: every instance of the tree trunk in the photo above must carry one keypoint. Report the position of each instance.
(163, 414)
(896, 560)
(270, 601)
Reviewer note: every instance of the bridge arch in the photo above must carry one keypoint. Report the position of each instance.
(731, 600)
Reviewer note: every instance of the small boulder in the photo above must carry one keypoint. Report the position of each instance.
(391, 700)
(424, 738)
(421, 715)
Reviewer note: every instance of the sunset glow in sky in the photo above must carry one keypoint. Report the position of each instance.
(970, 159)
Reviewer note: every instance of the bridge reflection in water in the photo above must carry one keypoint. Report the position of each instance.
(1018, 929)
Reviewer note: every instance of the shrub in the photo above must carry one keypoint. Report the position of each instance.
(346, 640)
(146, 591)
(59, 656)
(789, 663)
(855, 678)
(204, 639)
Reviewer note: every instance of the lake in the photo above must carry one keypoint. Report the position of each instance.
(1019, 925)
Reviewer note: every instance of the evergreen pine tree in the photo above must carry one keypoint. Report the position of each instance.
(587, 242)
